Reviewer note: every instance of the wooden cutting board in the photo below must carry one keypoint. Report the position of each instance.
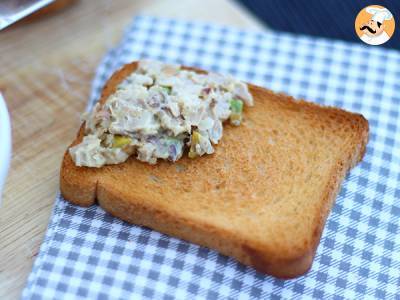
(46, 68)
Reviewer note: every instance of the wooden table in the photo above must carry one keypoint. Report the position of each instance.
(46, 67)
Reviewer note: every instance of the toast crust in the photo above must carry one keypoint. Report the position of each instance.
(151, 203)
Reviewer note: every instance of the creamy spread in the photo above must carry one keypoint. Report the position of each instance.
(158, 111)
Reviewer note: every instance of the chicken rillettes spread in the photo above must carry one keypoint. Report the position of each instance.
(156, 112)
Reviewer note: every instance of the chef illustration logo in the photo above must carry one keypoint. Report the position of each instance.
(374, 25)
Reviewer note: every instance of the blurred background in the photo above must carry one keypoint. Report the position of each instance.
(327, 18)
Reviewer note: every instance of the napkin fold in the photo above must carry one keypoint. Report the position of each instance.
(87, 253)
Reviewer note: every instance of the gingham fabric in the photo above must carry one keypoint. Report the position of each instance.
(89, 254)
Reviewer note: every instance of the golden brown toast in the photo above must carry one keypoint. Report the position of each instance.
(264, 195)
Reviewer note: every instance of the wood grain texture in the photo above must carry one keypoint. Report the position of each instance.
(46, 68)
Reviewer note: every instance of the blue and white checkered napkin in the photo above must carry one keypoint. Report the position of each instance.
(89, 254)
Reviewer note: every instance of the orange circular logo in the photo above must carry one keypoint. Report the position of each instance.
(374, 25)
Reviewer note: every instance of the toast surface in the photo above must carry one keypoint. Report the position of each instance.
(264, 195)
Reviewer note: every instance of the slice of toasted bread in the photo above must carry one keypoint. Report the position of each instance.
(264, 195)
